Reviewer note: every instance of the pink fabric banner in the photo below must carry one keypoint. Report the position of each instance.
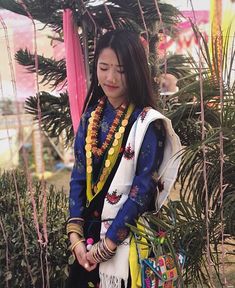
(76, 75)
(185, 40)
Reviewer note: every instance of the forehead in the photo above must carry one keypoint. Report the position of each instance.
(108, 56)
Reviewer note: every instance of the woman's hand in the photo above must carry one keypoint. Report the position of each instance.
(90, 258)
(111, 246)
(81, 255)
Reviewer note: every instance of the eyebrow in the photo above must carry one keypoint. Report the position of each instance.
(103, 63)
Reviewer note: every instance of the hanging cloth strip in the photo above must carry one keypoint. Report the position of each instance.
(76, 76)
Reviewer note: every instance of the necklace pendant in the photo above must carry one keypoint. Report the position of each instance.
(88, 147)
(118, 135)
(111, 151)
(102, 177)
(89, 169)
(121, 129)
(88, 139)
(115, 142)
(95, 189)
(105, 171)
(107, 163)
(124, 122)
(88, 154)
(89, 161)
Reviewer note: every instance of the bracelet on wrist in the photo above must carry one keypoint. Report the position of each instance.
(101, 252)
(77, 220)
(76, 243)
(76, 228)
(107, 247)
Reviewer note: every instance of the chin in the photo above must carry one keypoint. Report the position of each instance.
(112, 96)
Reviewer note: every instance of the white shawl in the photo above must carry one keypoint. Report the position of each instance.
(116, 269)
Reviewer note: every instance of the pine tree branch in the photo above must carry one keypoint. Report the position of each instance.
(47, 12)
(55, 114)
(53, 71)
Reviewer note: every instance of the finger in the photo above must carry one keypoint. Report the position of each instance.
(90, 267)
(90, 258)
(81, 257)
(81, 260)
(93, 266)
(78, 256)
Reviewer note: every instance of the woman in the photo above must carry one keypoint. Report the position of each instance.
(118, 147)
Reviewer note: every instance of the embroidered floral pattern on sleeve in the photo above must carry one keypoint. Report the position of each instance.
(122, 234)
(71, 203)
(133, 192)
(79, 161)
(104, 125)
(145, 152)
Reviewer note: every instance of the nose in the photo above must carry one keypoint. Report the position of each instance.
(111, 76)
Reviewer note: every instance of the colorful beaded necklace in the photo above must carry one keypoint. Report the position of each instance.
(113, 143)
(95, 120)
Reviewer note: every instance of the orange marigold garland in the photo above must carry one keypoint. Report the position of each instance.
(95, 120)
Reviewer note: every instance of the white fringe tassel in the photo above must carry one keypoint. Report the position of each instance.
(110, 281)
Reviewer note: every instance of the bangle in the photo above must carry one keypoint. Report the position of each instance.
(73, 227)
(76, 220)
(107, 247)
(101, 253)
(72, 247)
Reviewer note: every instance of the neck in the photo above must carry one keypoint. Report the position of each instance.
(116, 103)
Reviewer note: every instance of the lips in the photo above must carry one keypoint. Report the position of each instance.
(110, 86)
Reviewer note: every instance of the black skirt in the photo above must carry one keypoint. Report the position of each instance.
(81, 278)
(78, 276)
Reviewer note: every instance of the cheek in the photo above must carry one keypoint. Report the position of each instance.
(123, 81)
(99, 75)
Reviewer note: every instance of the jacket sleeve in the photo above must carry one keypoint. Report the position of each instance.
(143, 186)
(77, 195)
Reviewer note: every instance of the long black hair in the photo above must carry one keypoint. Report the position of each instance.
(130, 51)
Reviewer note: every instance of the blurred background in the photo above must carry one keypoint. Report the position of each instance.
(191, 52)
(17, 84)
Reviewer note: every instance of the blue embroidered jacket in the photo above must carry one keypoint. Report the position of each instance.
(143, 187)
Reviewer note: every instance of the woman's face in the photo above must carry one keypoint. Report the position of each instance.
(111, 77)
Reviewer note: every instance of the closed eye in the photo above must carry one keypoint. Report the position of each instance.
(103, 69)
